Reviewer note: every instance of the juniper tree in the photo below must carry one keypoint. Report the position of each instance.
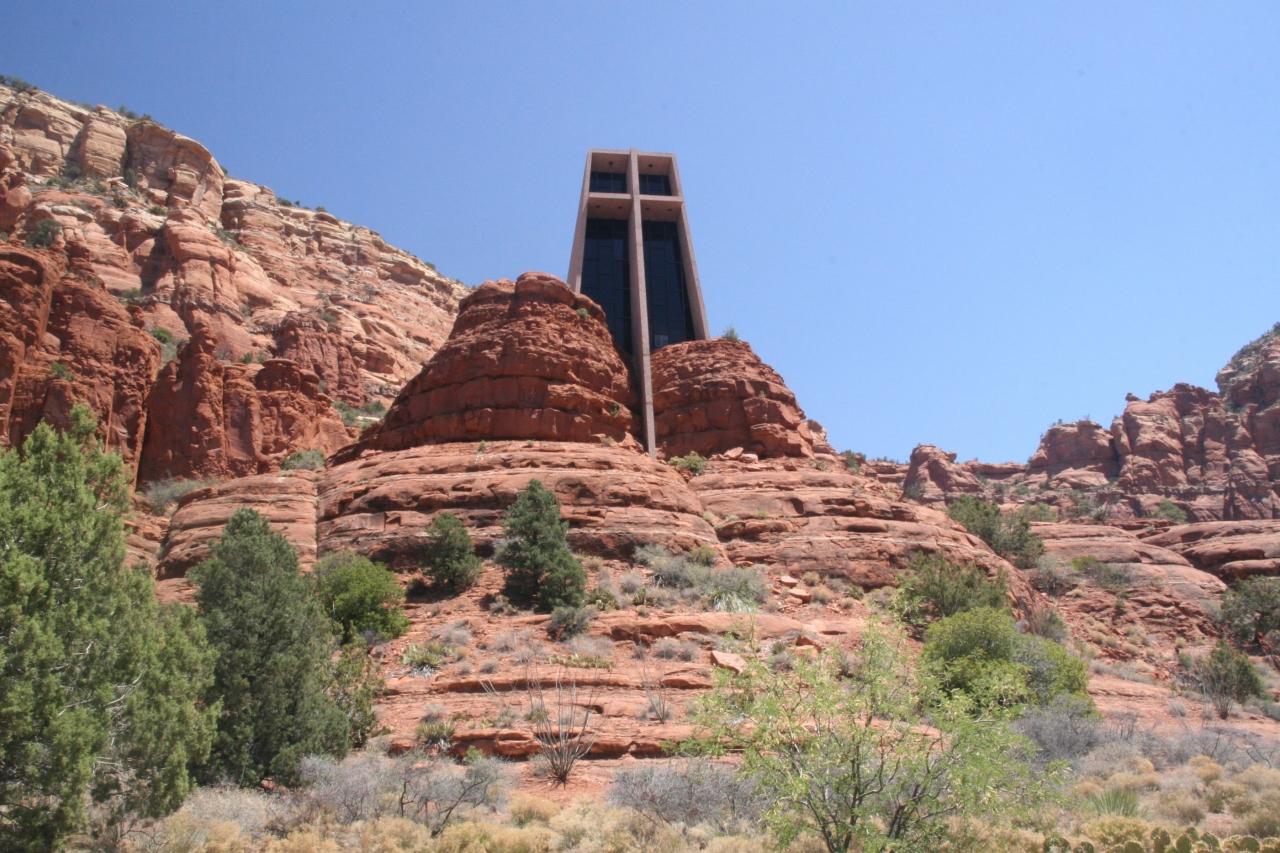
(274, 647)
(100, 687)
(541, 570)
(450, 559)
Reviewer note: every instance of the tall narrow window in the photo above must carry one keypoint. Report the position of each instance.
(667, 298)
(606, 276)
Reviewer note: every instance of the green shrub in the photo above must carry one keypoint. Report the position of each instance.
(1009, 536)
(1169, 510)
(735, 589)
(1226, 675)
(274, 645)
(162, 335)
(980, 653)
(541, 570)
(703, 555)
(852, 461)
(569, 621)
(935, 588)
(449, 559)
(730, 334)
(430, 655)
(162, 494)
(44, 234)
(693, 462)
(863, 756)
(360, 596)
(58, 370)
(1106, 575)
(310, 460)
(1251, 610)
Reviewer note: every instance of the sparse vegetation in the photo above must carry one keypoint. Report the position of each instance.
(1251, 611)
(730, 334)
(43, 234)
(1009, 536)
(1106, 575)
(304, 460)
(693, 462)
(160, 495)
(58, 370)
(1225, 676)
(1170, 511)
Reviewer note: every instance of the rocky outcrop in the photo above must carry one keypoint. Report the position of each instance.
(1229, 549)
(287, 500)
(1152, 603)
(216, 419)
(1072, 450)
(614, 498)
(64, 340)
(799, 518)
(528, 359)
(933, 475)
(714, 395)
(152, 235)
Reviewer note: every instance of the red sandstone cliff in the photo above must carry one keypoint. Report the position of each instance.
(152, 239)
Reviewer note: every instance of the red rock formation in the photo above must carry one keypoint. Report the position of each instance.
(1229, 549)
(27, 279)
(1083, 446)
(715, 395)
(934, 475)
(525, 360)
(614, 498)
(287, 500)
(214, 419)
(150, 215)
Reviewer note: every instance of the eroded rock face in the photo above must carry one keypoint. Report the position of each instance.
(614, 498)
(712, 396)
(1228, 549)
(1080, 446)
(154, 236)
(212, 418)
(528, 359)
(287, 500)
(1158, 604)
(934, 475)
(798, 518)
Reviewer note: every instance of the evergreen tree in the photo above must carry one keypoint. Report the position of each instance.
(274, 647)
(360, 596)
(450, 560)
(541, 570)
(100, 688)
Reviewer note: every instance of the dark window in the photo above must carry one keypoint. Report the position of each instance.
(670, 320)
(655, 185)
(608, 182)
(606, 275)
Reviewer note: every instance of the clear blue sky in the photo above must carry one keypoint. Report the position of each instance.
(942, 222)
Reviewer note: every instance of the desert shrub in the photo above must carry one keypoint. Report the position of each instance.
(310, 460)
(355, 680)
(734, 589)
(1169, 510)
(852, 461)
(360, 596)
(274, 644)
(44, 234)
(1038, 512)
(703, 555)
(843, 753)
(1053, 577)
(428, 656)
(1251, 610)
(1065, 729)
(101, 688)
(935, 588)
(569, 621)
(980, 653)
(360, 787)
(162, 494)
(730, 334)
(1009, 536)
(693, 462)
(1106, 575)
(1119, 802)
(669, 648)
(691, 792)
(437, 792)
(1046, 622)
(540, 568)
(1226, 675)
(449, 559)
